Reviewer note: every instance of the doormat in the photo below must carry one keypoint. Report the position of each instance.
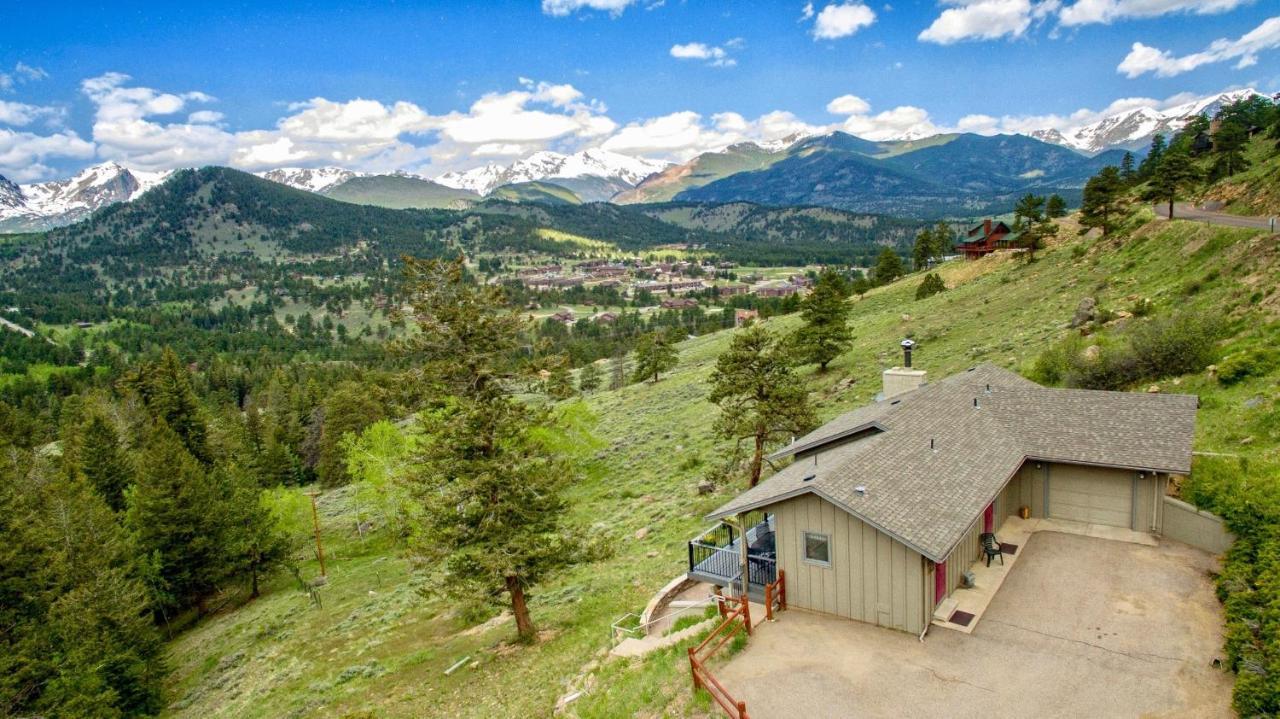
(1009, 549)
(961, 618)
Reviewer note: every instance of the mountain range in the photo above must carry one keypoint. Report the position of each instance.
(938, 175)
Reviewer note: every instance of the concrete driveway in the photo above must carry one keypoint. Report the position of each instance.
(1082, 627)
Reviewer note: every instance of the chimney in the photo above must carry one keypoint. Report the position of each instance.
(900, 380)
(986, 227)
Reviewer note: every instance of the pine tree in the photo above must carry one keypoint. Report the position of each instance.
(1128, 172)
(888, 267)
(491, 470)
(930, 286)
(350, 407)
(1056, 207)
(559, 384)
(761, 400)
(589, 379)
(176, 517)
(1175, 172)
(1154, 155)
(825, 332)
(618, 372)
(1101, 200)
(165, 388)
(1228, 148)
(655, 353)
(255, 542)
(103, 463)
(923, 249)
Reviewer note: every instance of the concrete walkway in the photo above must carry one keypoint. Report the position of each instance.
(988, 579)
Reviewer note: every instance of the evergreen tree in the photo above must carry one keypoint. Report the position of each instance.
(491, 469)
(1101, 202)
(103, 463)
(761, 400)
(165, 388)
(655, 353)
(618, 372)
(930, 286)
(255, 541)
(825, 332)
(1055, 207)
(1128, 172)
(1228, 149)
(1154, 155)
(922, 250)
(589, 379)
(176, 517)
(1175, 172)
(888, 267)
(559, 384)
(351, 407)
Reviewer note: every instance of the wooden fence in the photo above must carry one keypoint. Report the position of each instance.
(737, 618)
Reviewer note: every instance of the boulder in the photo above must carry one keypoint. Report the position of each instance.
(642, 532)
(706, 487)
(1086, 311)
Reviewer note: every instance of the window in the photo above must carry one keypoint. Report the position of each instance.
(817, 548)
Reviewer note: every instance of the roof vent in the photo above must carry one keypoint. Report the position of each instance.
(975, 403)
(907, 346)
(809, 478)
(861, 489)
(931, 445)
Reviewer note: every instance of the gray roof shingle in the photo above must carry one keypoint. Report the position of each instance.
(927, 497)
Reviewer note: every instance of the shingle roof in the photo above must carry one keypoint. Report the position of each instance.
(927, 498)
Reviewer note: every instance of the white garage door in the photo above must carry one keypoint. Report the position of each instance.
(1096, 496)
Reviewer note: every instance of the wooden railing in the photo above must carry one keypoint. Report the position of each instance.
(775, 593)
(736, 620)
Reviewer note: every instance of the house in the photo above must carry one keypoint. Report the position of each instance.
(775, 289)
(733, 290)
(605, 318)
(741, 317)
(880, 514)
(566, 317)
(679, 303)
(801, 281)
(985, 238)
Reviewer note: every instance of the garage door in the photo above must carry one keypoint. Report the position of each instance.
(1096, 496)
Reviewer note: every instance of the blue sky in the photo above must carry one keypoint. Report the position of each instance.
(436, 86)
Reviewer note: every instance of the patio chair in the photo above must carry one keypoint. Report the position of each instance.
(991, 547)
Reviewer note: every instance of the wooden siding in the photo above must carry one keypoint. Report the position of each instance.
(872, 578)
(964, 555)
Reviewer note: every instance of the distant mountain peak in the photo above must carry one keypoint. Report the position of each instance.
(311, 179)
(43, 205)
(547, 165)
(1133, 129)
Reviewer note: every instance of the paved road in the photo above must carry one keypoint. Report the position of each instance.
(1187, 211)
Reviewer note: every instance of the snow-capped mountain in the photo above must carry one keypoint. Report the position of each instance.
(547, 165)
(311, 179)
(1133, 129)
(60, 202)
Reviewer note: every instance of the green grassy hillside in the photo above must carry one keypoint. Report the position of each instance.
(543, 192)
(401, 192)
(1256, 191)
(378, 648)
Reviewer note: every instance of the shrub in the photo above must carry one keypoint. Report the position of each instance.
(930, 286)
(1254, 363)
(1175, 345)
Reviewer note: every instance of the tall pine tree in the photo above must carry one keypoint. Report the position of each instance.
(825, 332)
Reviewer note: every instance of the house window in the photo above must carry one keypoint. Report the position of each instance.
(817, 549)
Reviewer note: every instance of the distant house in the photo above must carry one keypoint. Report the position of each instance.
(679, 303)
(733, 290)
(801, 281)
(775, 289)
(883, 511)
(565, 317)
(741, 317)
(984, 239)
(606, 318)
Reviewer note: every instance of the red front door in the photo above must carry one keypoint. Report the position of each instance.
(989, 518)
(939, 582)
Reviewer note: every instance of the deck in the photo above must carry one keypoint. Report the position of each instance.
(715, 557)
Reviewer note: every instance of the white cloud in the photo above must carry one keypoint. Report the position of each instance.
(205, 117)
(1244, 50)
(19, 114)
(806, 12)
(713, 55)
(1083, 12)
(23, 154)
(848, 105)
(680, 136)
(561, 8)
(837, 21)
(985, 20)
(22, 73)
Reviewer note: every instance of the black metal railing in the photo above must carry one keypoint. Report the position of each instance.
(717, 553)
